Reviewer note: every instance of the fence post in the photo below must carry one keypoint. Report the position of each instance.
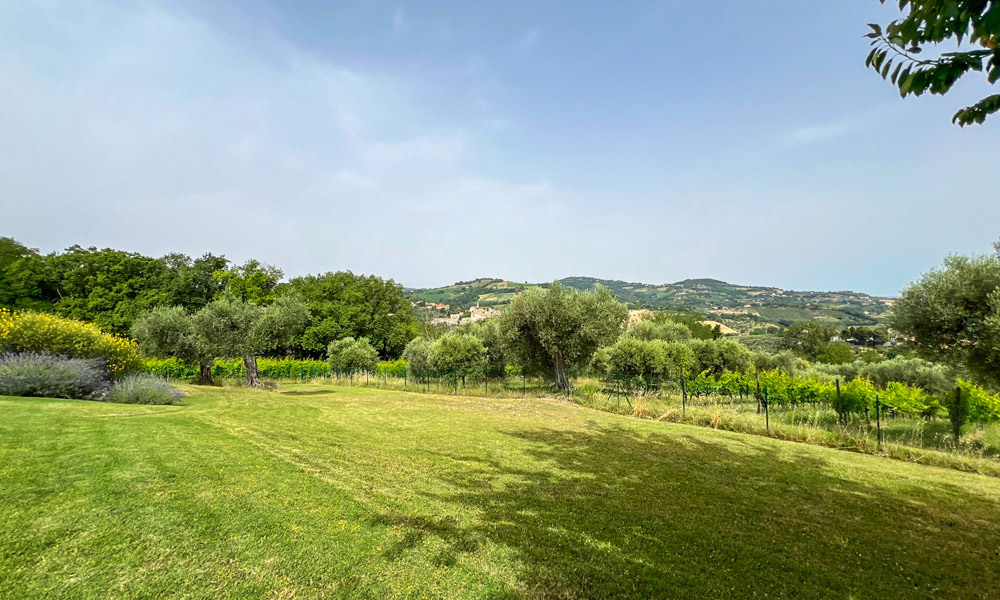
(957, 418)
(878, 420)
(684, 392)
(758, 391)
(486, 380)
(839, 405)
(524, 384)
(767, 412)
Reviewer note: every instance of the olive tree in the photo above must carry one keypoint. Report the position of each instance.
(952, 315)
(668, 331)
(235, 328)
(718, 356)
(459, 354)
(348, 355)
(488, 332)
(560, 327)
(418, 357)
(170, 332)
(630, 358)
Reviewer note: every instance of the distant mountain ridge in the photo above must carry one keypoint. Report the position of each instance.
(742, 307)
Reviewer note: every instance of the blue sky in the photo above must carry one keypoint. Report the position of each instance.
(434, 142)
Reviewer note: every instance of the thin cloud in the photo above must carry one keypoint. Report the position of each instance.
(823, 132)
(399, 21)
(527, 40)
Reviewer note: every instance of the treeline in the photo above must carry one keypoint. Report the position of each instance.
(112, 288)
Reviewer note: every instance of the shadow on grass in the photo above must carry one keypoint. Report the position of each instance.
(308, 393)
(612, 513)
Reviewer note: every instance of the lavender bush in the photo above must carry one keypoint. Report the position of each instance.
(143, 389)
(48, 376)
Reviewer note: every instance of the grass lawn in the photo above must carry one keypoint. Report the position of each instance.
(319, 491)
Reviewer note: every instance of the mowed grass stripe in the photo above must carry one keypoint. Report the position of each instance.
(345, 492)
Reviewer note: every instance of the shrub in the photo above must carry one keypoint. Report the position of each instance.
(48, 334)
(419, 361)
(349, 355)
(47, 376)
(458, 354)
(143, 389)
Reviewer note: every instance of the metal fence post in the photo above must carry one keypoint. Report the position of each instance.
(684, 393)
(957, 418)
(878, 420)
(767, 412)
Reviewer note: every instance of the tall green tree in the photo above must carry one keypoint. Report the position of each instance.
(253, 282)
(107, 287)
(925, 25)
(193, 283)
(348, 305)
(11, 252)
(952, 315)
(561, 327)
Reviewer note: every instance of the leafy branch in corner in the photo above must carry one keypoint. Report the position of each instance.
(896, 46)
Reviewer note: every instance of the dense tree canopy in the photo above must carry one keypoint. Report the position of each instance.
(952, 315)
(928, 23)
(348, 305)
(808, 339)
(112, 288)
(253, 282)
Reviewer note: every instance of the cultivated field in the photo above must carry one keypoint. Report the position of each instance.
(318, 491)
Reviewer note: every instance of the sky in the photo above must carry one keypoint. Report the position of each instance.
(434, 142)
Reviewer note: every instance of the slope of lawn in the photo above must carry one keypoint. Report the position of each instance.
(337, 492)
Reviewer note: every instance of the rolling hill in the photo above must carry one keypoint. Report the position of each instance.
(741, 307)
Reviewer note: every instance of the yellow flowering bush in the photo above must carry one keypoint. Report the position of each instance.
(49, 334)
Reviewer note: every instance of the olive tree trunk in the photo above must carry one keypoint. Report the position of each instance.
(253, 375)
(206, 375)
(559, 370)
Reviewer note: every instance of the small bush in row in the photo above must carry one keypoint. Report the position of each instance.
(143, 389)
